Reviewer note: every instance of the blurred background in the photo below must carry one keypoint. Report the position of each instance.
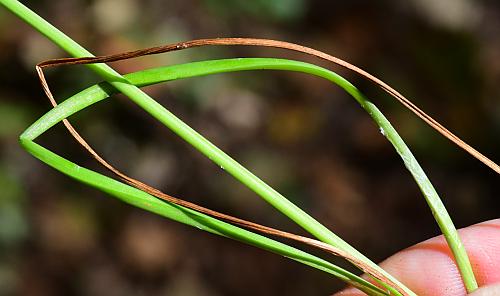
(304, 136)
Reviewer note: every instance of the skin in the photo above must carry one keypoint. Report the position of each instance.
(428, 268)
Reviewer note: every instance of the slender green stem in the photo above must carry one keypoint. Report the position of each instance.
(239, 172)
(177, 126)
(101, 91)
(189, 135)
(211, 67)
(436, 205)
(190, 217)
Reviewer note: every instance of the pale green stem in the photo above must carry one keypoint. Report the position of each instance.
(270, 195)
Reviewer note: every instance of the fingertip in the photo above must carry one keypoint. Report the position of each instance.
(349, 292)
(426, 271)
(491, 290)
(482, 243)
(428, 268)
